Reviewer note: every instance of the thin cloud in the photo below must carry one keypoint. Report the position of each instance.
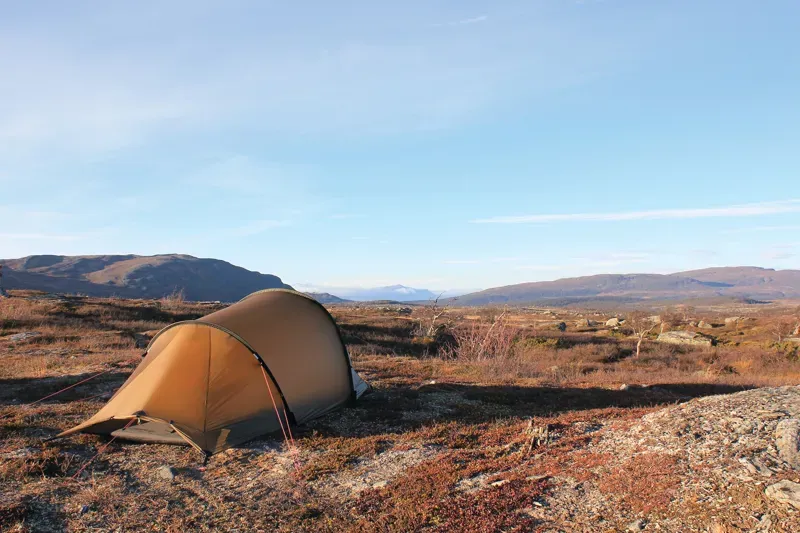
(462, 22)
(461, 262)
(762, 228)
(258, 226)
(742, 210)
(40, 237)
(778, 255)
(610, 261)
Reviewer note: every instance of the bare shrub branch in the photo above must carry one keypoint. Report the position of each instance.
(641, 324)
(477, 342)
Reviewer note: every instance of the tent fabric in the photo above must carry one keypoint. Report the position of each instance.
(201, 381)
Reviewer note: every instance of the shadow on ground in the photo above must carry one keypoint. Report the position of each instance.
(20, 391)
(402, 408)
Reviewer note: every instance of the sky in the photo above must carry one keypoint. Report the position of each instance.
(437, 144)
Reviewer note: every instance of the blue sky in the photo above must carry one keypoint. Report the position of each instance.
(457, 144)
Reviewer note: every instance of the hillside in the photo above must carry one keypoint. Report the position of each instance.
(740, 282)
(326, 298)
(136, 276)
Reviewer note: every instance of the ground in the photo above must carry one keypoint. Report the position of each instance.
(492, 420)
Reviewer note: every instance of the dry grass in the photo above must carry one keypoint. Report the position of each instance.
(463, 411)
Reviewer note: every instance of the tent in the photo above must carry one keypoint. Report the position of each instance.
(274, 358)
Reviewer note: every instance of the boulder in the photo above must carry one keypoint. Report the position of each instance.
(655, 319)
(732, 320)
(796, 331)
(785, 492)
(704, 325)
(562, 326)
(141, 340)
(585, 323)
(612, 322)
(787, 440)
(685, 337)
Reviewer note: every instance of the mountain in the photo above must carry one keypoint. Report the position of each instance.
(136, 276)
(326, 298)
(739, 282)
(397, 293)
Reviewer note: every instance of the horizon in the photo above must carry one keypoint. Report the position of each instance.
(352, 292)
(449, 147)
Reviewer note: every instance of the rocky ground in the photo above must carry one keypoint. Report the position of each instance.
(438, 445)
(719, 463)
(716, 463)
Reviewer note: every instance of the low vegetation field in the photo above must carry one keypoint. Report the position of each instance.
(479, 419)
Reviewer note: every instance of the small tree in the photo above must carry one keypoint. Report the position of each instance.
(796, 331)
(641, 324)
(427, 325)
(783, 327)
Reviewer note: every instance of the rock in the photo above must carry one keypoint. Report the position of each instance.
(796, 331)
(141, 340)
(585, 323)
(655, 319)
(716, 527)
(380, 484)
(624, 386)
(612, 322)
(787, 440)
(24, 336)
(756, 467)
(537, 477)
(685, 337)
(499, 483)
(636, 525)
(704, 325)
(693, 324)
(19, 454)
(562, 326)
(785, 492)
(732, 320)
(166, 472)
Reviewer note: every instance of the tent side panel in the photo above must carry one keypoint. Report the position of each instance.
(239, 402)
(170, 384)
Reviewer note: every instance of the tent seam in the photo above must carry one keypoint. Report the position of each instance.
(208, 385)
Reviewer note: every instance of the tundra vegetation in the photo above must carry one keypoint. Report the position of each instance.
(480, 419)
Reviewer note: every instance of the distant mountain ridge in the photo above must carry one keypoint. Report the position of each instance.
(326, 298)
(395, 293)
(135, 276)
(740, 282)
